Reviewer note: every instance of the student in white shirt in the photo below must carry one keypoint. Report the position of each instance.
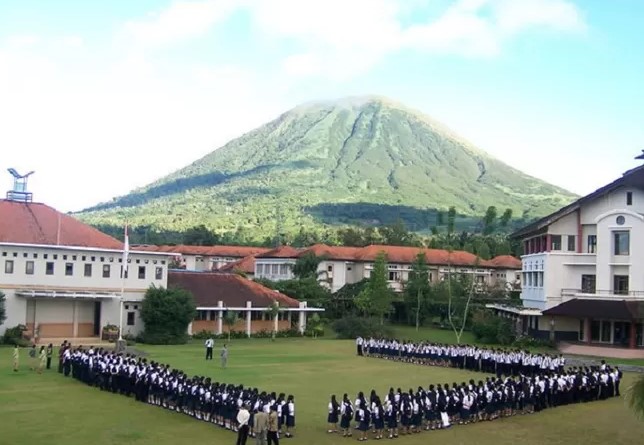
(243, 416)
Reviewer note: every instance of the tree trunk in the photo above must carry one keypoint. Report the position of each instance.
(418, 311)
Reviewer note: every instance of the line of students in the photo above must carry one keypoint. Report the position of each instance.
(159, 384)
(441, 406)
(490, 360)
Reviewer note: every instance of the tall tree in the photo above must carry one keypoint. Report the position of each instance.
(167, 314)
(230, 320)
(3, 309)
(199, 236)
(451, 223)
(417, 286)
(506, 218)
(376, 298)
(489, 220)
(306, 266)
(273, 312)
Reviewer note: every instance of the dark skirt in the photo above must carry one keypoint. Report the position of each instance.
(290, 421)
(332, 418)
(364, 426)
(345, 422)
(379, 423)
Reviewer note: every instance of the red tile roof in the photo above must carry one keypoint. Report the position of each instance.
(228, 251)
(246, 265)
(209, 288)
(399, 254)
(333, 252)
(281, 252)
(505, 262)
(35, 223)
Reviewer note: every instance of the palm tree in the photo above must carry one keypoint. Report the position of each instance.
(635, 396)
(273, 310)
(230, 320)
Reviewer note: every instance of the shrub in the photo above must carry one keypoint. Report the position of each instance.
(204, 335)
(527, 342)
(488, 328)
(14, 335)
(167, 314)
(352, 327)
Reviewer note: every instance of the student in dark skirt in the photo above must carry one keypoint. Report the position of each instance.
(391, 416)
(334, 414)
(378, 418)
(364, 419)
(346, 413)
(290, 415)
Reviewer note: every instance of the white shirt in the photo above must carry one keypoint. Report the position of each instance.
(242, 417)
(209, 343)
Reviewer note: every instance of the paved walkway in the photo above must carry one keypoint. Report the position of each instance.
(600, 351)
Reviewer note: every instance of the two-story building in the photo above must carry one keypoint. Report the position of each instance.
(205, 258)
(63, 279)
(583, 268)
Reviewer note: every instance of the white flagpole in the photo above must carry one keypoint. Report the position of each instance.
(126, 251)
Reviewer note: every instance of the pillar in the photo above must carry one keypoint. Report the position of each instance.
(249, 320)
(75, 319)
(220, 316)
(587, 324)
(552, 329)
(632, 341)
(190, 328)
(548, 243)
(580, 231)
(276, 321)
(302, 321)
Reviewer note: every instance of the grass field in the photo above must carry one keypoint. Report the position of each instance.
(49, 409)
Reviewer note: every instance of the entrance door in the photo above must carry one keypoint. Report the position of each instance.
(97, 318)
(621, 333)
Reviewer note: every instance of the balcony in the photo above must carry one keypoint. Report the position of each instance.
(569, 294)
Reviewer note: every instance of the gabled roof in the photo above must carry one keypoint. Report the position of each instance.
(504, 262)
(633, 177)
(225, 251)
(333, 252)
(400, 254)
(616, 309)
(208, 288)
(281, 252)
(246, 265)
(36, 223)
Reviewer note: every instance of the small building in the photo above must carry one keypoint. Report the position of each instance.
(245, 267)
(217, 293)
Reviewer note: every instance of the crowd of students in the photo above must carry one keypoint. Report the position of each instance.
(490, 360)
(441, 406)
(232, 407)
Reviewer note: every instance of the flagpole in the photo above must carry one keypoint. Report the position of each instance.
(126, 251)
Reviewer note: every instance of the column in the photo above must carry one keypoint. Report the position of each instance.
(302, 321)
(276, 321)
(548, 242)
(632, 341)
(220, 316)
(587, 324)
(75, 319)
(248, 318)
(190, 328)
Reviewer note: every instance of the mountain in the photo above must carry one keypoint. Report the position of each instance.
(355, 160)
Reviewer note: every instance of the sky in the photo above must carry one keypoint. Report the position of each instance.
(99, 98)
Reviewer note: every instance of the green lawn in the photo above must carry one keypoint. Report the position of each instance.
(49, 409)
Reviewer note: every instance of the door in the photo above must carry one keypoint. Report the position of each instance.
(97, 318)
(621, 333)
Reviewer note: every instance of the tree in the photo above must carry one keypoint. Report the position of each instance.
(451, 306)
(316, 325)
(451, 222)
(506, 218)
(635, 396)
(167, 314)
(3, 309)
(307, 265)
(230, 320)
(376, 298)
(199, 236)
(273, 311)
(417, 287)
(489, 220)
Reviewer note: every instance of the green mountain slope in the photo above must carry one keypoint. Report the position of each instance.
(361, 159)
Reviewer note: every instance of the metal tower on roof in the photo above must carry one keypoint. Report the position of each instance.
(19, 191)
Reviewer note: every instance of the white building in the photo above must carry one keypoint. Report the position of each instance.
(62, 278)
(205, 258)
(582, 267)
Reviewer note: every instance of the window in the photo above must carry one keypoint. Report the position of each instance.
(329, 268)
(588, 283)
(106, 270)
(49, 268)
(124, 272)
(284, 269)
(275, 269)
(141, 272)
(349, 267)
(581, 330)
(629, 198)
(555, 242)
(592, 244)
(394, 276)
(158, 273)
(8, 266)
(55, 256)
(621, 242)
(69, 269)
(572, 245)
(64, 257)
(130, 318)
(620, 284)
(87, 270)
(29, 268)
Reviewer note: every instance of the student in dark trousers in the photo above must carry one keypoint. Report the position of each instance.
(242, 420)
(209, 345)
(50, 352)
(273, 435)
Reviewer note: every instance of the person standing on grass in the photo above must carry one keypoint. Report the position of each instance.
(224, 356)
(334, 414)
(260, 426)
(16, 358)
(32, 357)
(50, 352)
(243, 416)
(273, 435)
(42, 356)
(209, 345)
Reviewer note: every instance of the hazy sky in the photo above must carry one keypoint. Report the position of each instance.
(103, 97)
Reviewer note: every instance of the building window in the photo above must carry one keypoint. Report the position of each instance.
(555, 242)
(572, 245)
(158, 273)
(329, 268)
(124, 272)
(621, 241)
(29, 268)
(130, 318)
(106, 270)
(629, 198)
(394, 276)
(141, 272)
(49, 268)
(620, 284)
(87, 270)
(581, 330)
(588, 283)
(592, 244)
(8, 266)
(64, 257)
(284, 269)
(275, 269)
(69, 269)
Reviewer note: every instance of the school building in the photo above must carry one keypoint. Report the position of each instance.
(582, 269)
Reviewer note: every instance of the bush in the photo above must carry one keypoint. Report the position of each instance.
(526, 342)
(163, 338)
(14, 335)
(488, 328)
(204, 335)
(167, 314)
(238, 335)
(352, 327)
